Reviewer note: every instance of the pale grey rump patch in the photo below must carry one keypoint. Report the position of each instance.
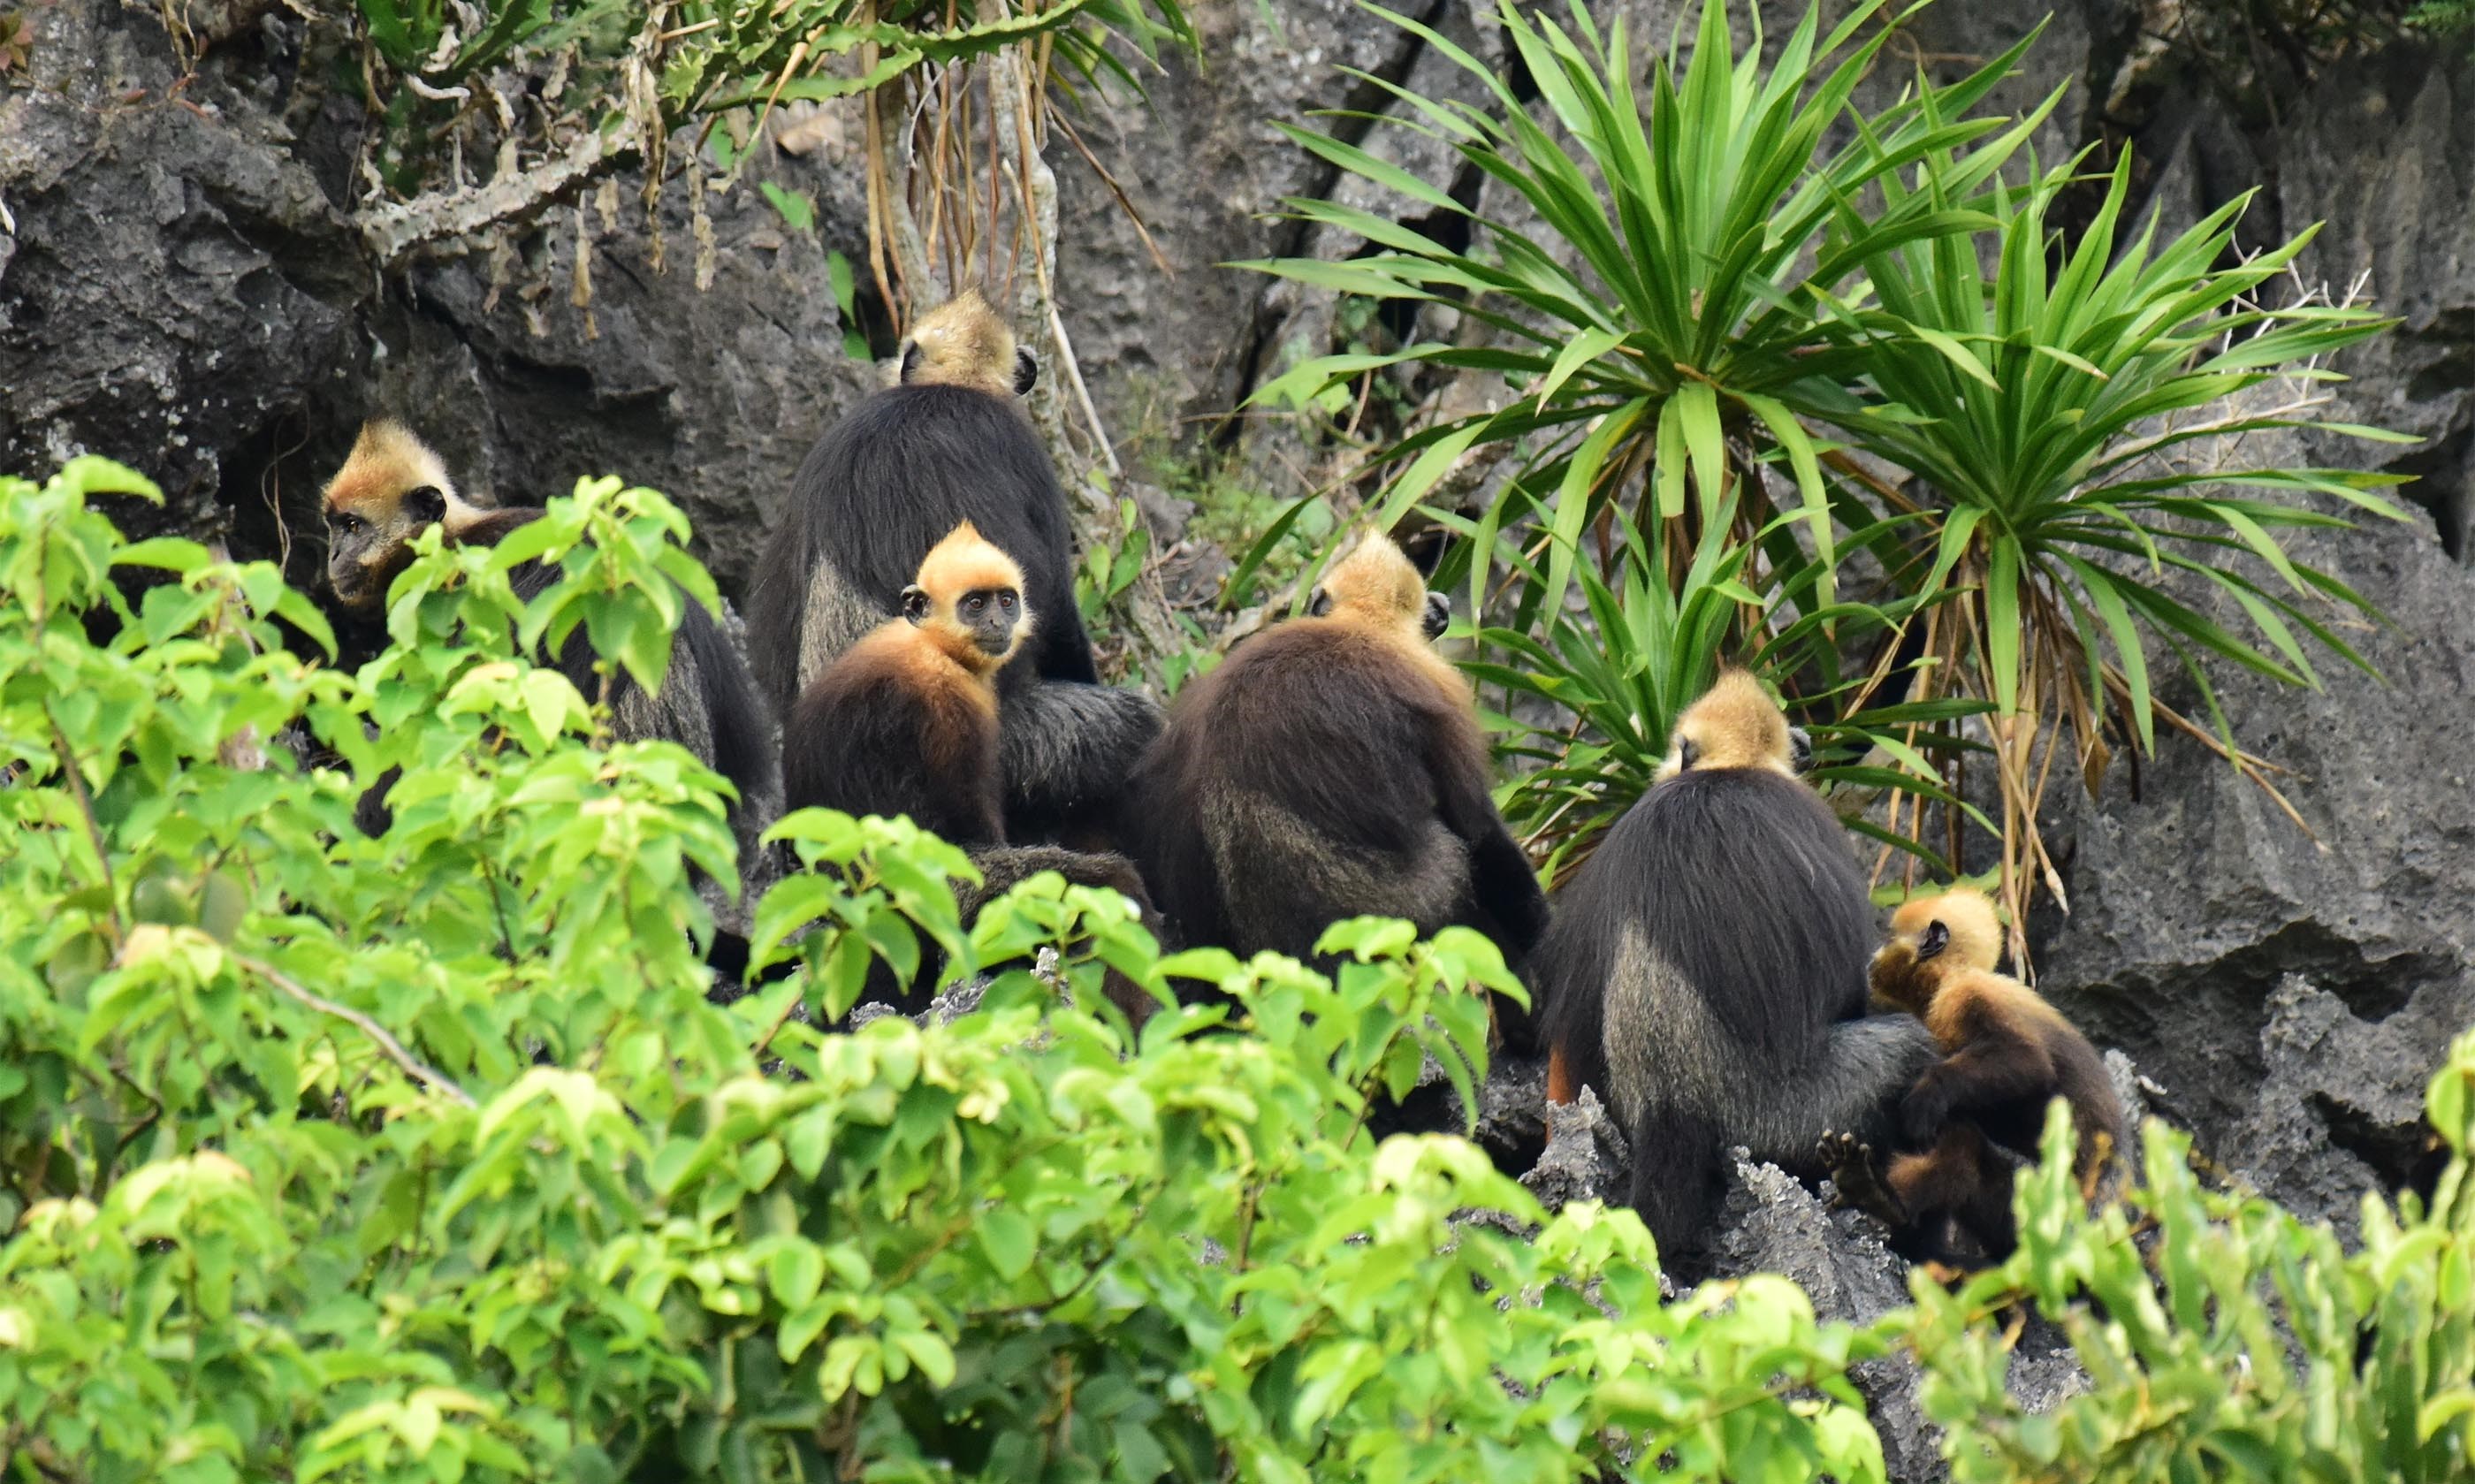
(834, 618)
(1267, 859)
(1666, 1048)
(1662, 1042)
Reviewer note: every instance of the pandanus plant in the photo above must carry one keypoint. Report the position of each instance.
(1665, 314)
(2068, 411)
(1740, 343)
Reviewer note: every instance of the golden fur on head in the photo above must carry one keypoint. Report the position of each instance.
(1941, 946)
(1734, 724)
(965, 561)
(392, 488)
(963, 342)
(386, 461)
(964, 564)
(1376, 583)
(1376, 590)
(1966, 913)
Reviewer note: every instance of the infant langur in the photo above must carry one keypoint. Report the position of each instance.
(1976, 1114)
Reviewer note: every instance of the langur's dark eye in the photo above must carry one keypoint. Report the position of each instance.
(977, 605)
(1006, 600)
(1687, 753)
(1937, 938)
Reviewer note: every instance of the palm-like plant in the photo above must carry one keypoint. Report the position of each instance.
(2048, 404)
(1711, 287)
(1648, 638)
(1675, 298)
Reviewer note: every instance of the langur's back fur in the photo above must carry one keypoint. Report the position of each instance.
(1705, 971)
(884, 484)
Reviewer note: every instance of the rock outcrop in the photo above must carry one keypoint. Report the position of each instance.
(175, 287)
(2291, 995)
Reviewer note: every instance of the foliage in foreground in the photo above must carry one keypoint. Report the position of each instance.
(425, 1158)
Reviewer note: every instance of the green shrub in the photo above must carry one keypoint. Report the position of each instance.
(2237, 1342)
(426, 1157)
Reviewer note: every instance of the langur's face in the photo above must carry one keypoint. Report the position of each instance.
(993, 620)
(368, 541)
(1905, 969)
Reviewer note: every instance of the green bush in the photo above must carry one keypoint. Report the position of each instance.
(426, 1157)
(2237, 1342)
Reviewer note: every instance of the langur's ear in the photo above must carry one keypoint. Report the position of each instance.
(1937, 937)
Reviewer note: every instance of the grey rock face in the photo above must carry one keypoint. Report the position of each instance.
(181, 290)
(2291, 997)
(711, 397)
(1769, 1222)
(173, 281)
(1204, 166)
(2384, 154)
(1585, 1158)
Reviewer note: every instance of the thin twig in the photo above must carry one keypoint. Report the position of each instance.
(86, 811)
(1125, 203)
(386, 1039)
(757, 1050)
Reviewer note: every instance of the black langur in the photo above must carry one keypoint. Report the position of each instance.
(393, 487)
(906, 723)
(1333, 767)
(946, 443)
(1975, 1115)
(1705, 970)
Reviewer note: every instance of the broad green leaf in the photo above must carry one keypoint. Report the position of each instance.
(2003, 631)
(1700, 416)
